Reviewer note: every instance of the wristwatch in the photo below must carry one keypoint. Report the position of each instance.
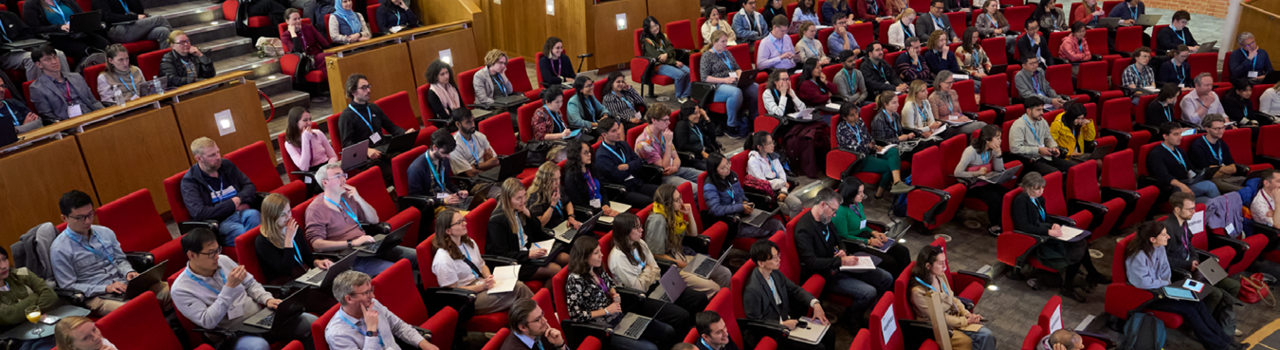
(349, 246)
(371, 333)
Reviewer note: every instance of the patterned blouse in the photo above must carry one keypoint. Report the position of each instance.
(912, 72)
(854, 137)
(544, 123)
(585, 296)
(624, 104)
(973, 62)
(717, 64)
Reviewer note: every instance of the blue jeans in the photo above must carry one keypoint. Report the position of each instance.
(236, 224)
(863, 287)
(1204, 191)
(681, 75)
(735, 98)
(982, 339)
(373, 266)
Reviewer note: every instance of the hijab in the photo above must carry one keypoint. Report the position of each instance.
(353, 20)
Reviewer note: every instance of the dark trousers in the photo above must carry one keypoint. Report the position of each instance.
(670, 321)
(1043, 166)
(639, 197)
(894, 260)
(993, 196)
(1199, 320)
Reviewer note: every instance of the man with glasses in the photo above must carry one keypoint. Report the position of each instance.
(530, 330)
(87, 258)
(657, 147)
(776, 50)
(215, 293)
(1183, 257)
(936, 20)
(365, 121)
(1202, 101)
(749, 24)
(769, 295)
(822, 252)
(1210, 150)
(1176, 34)
(334, 221)
(57, 94)
(16, 30)
(364, 323)
(1250, 61)
(431, 175)
(185, 63)
(215, 189)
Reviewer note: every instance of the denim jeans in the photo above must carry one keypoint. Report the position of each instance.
(37, 344)
(863, 287)
(982, 339)
(236, 224)
(734, 98)
(1204, 191)
(373, 266)
(681, 75)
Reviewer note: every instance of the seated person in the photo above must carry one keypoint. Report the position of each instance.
(917, 112)
(842, 40)
(111, 80)
(1139, 79)
(545, 201)
(713, 333)
(1187, 260)
(656, 145)
(458, 264)
(364, 323)
(1129, 13)
(973, 58)
(809, 46)
(929, 276)
(476, 154)
(1264, 202)
(903, 29)
(87, 258)
(992, 24)
(726, 197)
(514, 233)
(1168, 165)
(219, 309)
(623, 101)
(749, 25)
(308, 147)
(78, 332)
(577, 171)
(664, 231)
(431, 176)
(872, 10)
(615, 163)
(20, 60)
(1035, 44)
(129, 22)
(1074, 48)
(1237, 105)
(776, 51)
(283, 254)
(547, 122)
(228, 202)
(1087, 13)
(1251, 62)
(764, 164)
(554, 66)
(945, 101)
(395, 15)
(1210, 150)
(24, 291)
(348, 26)
(696, 134)
(670, 62)
(491, 81)
(806, 11)
(911, 66)
(333, 225)
(938, 55)
(634, 266)
(887, 126)
(306, 40)
(983, 156)
(1160, 111)
(584, 109)
(1176, 70)
(851, 85)
(852, 135)
(596, 300)
(716, 23)
(530, 329)
(443, 97)
(363, 120)
(1028, 212)
(1032, 138)
(851, 225)
(1176, 34)
(1202, 101)
(936, 20)
(1074, 130)
(185, 64)
(822, 253)
(881, 76)
(1270, 101)
(1147, 267)
(1031, 82)
(52, 20)
(779, 98)
(16, 110)
(49, 91)
(1052, 18)
(814, 88)
(769, 295)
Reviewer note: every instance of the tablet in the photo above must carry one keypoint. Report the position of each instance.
(1179, 293)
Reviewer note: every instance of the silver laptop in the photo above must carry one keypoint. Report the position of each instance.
(288, 309)
(355, 155)
(1210, 271)
(564, 234)
(632, 325)
(1109, 22)
(670, 286)
(317, 277)
(1148, 20)
(759, 217)
(1207, 47)
(702, 265)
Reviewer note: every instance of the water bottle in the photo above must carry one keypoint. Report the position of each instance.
(156, 86)
(117, 95)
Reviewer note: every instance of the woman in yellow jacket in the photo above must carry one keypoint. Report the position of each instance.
(1073, 130)
(929, 277)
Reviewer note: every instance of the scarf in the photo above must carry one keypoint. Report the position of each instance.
(353, 21)
(447, 94)
(675, 228)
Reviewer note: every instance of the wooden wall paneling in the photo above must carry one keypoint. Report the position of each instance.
(667, 11)
(441, 11)
(570, 25)
(426, 49)
(195, 117)
(613, 46)
(122, 163)
(28, 177)
(385, 67)
(529, 27)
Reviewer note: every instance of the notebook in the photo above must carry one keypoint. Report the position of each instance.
(505, 279)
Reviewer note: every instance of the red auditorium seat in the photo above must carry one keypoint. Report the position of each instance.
(424, 109)
(1013, 246)
(373, 189)
(400, 111)
(995, 97)
(139, 228)
(1049, 324)
(1083, 193)
(681, 35)
(91, 78)
(933, 202)
(478, 323)
(1092, 82)
(721, 304)
(1123, 298)
(1118, 180)
(1115, 121)
(466, 90)
(640, 69)
(887, 312)
(141, 315)
(256, 162)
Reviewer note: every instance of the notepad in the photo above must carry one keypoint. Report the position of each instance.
(1069, 233)
(547, 244)
(811, 334)
(864, 264)
(886, 149)
(505, 279)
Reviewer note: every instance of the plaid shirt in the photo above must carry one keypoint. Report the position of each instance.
(619, 107)
(1140, 77)
(717, 64)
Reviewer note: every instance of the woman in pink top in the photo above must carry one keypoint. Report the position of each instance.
(307, 147)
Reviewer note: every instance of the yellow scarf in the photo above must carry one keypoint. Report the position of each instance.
(679, 226)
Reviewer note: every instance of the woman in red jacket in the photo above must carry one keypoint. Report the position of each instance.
(813, 88)
(305, 40)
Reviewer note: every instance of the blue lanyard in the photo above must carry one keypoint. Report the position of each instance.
(906, 30)
(520, 230)
(728, 59)
(850, 79)
(1216, 154)
(986, 156)
(1031, 125)
(875, 9)
(1038, 207)
(636, 254)
(497, 79)
(367, 120)
(777, 45)
(826, 235)
(218, 191)
(1133, 12)
(993, 21)
(930, 286)
(694, 127)
(397, 17)
(58, 8)
(615, 153)
(297, 255)
(809, 46)
(474, 147)
(555, 119)
(106, 253)
(5, 32)
(858, 140)
(891, 119)
(345, 208)
(920, 113)
(881, 70)
(1253, 66)
(6, 106)
(1176, 156)
(593, 186)
(1167, 115)
(125, 6)
(435, 173)
(468, 254)
(353, 326)
(203, 283)
(704, 343)
(560, 211)
(1137, 74)
(624, 100)
(937, 23)
(133, 85)
(1180, 36)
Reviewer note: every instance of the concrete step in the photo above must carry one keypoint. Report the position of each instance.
(275, 84)
(285, 101)
(188, 13)
(204, 32)
(250, 62)
(220, 49)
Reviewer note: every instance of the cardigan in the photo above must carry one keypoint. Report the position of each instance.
(812, 92)
(549, 69)
(850, 223)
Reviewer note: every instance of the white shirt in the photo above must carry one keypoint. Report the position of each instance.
(450, 271)
(768, 170)
(1192, 101)
(1270, 102)
(465, 155)
(1262, 203)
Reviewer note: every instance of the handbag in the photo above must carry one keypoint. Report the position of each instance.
(702, 93)
(1253, 289)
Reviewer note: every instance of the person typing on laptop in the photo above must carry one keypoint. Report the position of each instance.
(363, 120)
(1182, 256)
(596, 300)
(87, 258)
(216, 293)
(822, 252)
(1176, 34)
(770, 295)
(726, 199)
(334, 221)
(431, 175)
(282, 253)
(53, 18)
(364, 323)
(1169, 166)
(458, 264)
(631, 261)
(215, 189)
(1210, 150)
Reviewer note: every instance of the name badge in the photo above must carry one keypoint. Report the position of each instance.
(442, 195)
(1182, 86)
(733, 74)
(595, 203)
(375, 138)
(1191, 174)
(73, 111)
(224, 194)
(629, 178)
(1253, 74)
(953, 118)
(862, 224)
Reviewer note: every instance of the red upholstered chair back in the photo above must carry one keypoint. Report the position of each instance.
(138, 227)
(1093, 79)
(830, 71)
(524, 119)
(1117, 170)
(395, 289)
(173, 191)
(141, 315)
(722, 304)
(823, 34)
(318, 326)
(884, 31)
(1238, 141)
(634, 133)
(739, 163)
(1269, 140)
(91, 77)
(1054, 203)
(424, 108)
(1140, 111)
(498, 339)
(995, 50)
(299, 211)
(1117, 260)
(1204, 63)
(543, 298)
(1046, 319)
(426, 255)
(1117, 70)
(786, 242)
(1006, 220)
(1128, 39)
(478, 222)
(370, 185)
(465, 89)
(635, 42)
(294, 345)
(1115, 114)
(1097, 40)
(1017, 17)
(399, 110)
(557, 286)
(964, 88)
(737, 283)
(400, 169)
(681, 35)
(597, 88)
(1059, 77)
(335, 134)
(702, 200)
(868, 114)
(247, 252)
(878, 315)
(697, 36)
(149, 63)
(1154, 31)
(957, 21)
(256, 162)
(1055, 41)
(498, 130)
(994, 92)
(742, 56)
(1083, 183)
(862, 32)
(519, 76)
(1142, 156)
(952, 149)
(1004, 132)
(929, 174)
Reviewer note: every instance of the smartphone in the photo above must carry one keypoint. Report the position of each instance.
(1193, 285)
(802, 324)
(49, 319)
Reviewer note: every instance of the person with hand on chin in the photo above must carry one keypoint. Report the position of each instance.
(185, 63)
(364, 323)
(1250, 61)
(769, 295)
(283, 254)
(215, 293)
(334, 221)
(530, 329)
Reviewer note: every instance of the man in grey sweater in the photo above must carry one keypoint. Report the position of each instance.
(849, 82)
(1029, 137)
(1031, 82)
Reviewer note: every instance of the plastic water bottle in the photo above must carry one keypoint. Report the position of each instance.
(117, 95)
(156, 86)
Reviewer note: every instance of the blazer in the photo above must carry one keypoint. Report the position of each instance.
(514, 343)
(309, 41)
(925, 26)
(880, 75)
(574, 191)
(487, 88)
(816, 244)
(51, 101)
(503, 240)
(757, 298)
(1179, 249)
(1029, 48)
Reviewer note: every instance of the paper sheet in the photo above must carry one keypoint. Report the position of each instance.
(864, 263)
(545, 244)
(505, 279)
(886, 149)
(1069, 233)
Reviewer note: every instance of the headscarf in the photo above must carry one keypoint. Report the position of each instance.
(353, 20)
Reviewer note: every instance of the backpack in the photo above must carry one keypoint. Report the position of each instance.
(31, 251)
(900, 204)
(1142, 332)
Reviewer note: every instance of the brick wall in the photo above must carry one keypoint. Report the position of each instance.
(1216, 8)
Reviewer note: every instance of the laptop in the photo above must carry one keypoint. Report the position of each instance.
(747, 78)
(22, 45)
(1148, 20)
(562, 232)
(1002, 176)
(401, 143)
(1271, 78)
(1109, 22)
(1204, 175)
(142, 283)
(85, 22)
(510, 100)
(759, 217)
(1097, 154)
(702, 264)
(317, 277)
(383, 244)
(288, 309)
(1207, 47)
(632, 325)
(1179, 293)
(508, 166)
(355, 156)
(670, 286)
(1210, 271)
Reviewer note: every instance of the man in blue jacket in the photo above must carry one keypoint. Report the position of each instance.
(215, 189)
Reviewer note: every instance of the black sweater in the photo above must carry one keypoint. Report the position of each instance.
(387, 17)
(816, 249)
(1202, 157)
(1158, 113)
(502, 239)
(113, 12)
(279, 264)
(1026, 216)
(351, 123)
(14, 28)
(881, 76)
(688, 141)
(1168, 39)
(574, 189)
(1165, 168)
(549, 75)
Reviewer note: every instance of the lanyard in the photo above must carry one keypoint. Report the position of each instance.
(5, 32)
(986, 156)
(993, 21)
(624, 100)
(593, 186)
(205, 284)
(497, 79)
(555, 66)
(555, 119)
(937, 23)
(297, 255)
(558, 209)
(468, 254)
(906, 30)
(621, 156)
(709, 347)
(1180, 36)
(772, 168)
(693, 127)
(1267, 199)
(125, 6)
(58, 8)
(1176, 156)
(353, 326)
(603, 286)
(892, 121)
(809, 45)
(218, 191)
(1253, 66)
(858, 209)
(875, 7)
(1133, 12)
(1031, 125)
(520, 231)
(1137, 74)
(850, 79)
(68, 86)
(345, 208)
(1216, 154)
(1167, 116)
(881, 70)
(133, 85)
(1038, 207)
(367, 121)
(15, 115)
(397, 12)
(777, 45)
(435, 173)
(920, 113)
(636, 253)
(473, 147)
(930, 286)
(826, 234)
(1186, 237)
(728, 59)
(105, 253)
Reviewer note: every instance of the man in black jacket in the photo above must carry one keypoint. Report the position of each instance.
(1169, 166)
(1182, 254)
(214, 189)
(363, 120)
(129, 23)
(713, 333)
(880, 75)
(1035, 44)
(1211, 151)
(769, 296)
(822, 253)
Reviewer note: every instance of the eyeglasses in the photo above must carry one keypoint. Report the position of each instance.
(183, 42)
(342, 176)
(459, 222)
(370, 291)
(86, 217)
(213, 254)
(365, 87)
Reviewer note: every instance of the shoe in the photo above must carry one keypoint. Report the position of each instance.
(683, 100)
(1073, 294)
(1239, 333)
(901, 187)
(1098, 278)
(972, 224)
(995, 231)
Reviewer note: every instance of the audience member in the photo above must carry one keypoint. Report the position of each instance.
(596, 300)
(283, 254)
(902, 29)
(476, 154)
(1176, 34)
(547, 125)
(361, 112)
(87, 258)
(1167, 164)
(129, 22)
(770, 295)
(306, 41)
(670, 62)
(1032, 138)
(928, 277)
(23, 291)
(983, 156)
(633, 264)
(764, 164)
(825, 254)
(973, 58)
(514, 233)
(458, 264)
(713, 333)
(656, 146)
(886, 126)
(881, 76)
(617, 164)
(809, 46)
(111, 80)
(16, 110)
(1052, 18)
(1176, 70)
(850, 83)
(1035, 44)
(1264, 202)
(1074, 48)
(229, 203)
(1183, 258)
(875, 10)
(938, 55)
(1270, 101)
(623, 101)
(945, 97)
(348, 26)
(308, 147)
(554, 67)
(749, 25)
(842, 40)
(431, 176)
(917, 112)
(577, 171)
(362, 322)
(813, 87)
(1160, 111)
(1074, 130)
(1201, 102)
(1128, 12)
(20, 60)
(716, 23)
(1251, 62)
(992, 24)
(725, 73)
(695, 134)
(1139, 79)
(936, 20)
(1061, 339)
(545, 201)
(851, 225)
(584, 109)
(1237, 102)
(442, 97)
(1087, 13)
(1032, 82)
(394, 16)
(726, 198)
(911, 66)
(52, 20)
(852, 135)
(672, 220)
(1209, 150)
(776, 51)
(779, 98)
(49, 92)
(185, 63)
(79, 332)
(529, 327)
(491, 81)
(336, 223)
(805, 11)
(1028, 212)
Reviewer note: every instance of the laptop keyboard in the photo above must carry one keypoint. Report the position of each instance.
(317, 278)
(705, 267)
(266, 321)
(636, 328)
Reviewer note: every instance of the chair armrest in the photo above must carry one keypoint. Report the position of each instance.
(1184, 273)
(943, 198)
(877, 225)
(277, 292)
(498, 260)
(1122, 137)
(755, 197)
(1274, 161)
(576, 332)
(186, 226)
(1203, 254)
(664, 264)
(419, 202)
(1010, 157)
(630, 296)
(140, 261)
(915, 332)
(1217, 240)
(437, 298)
(1000, 110)
(699, 243)
(1062, 220)
(71, 296)
(1094, 95)
(1098, 210)
(685, 157)
(761, 329)
(986, 280)
(614, 190)
(426, 333)
(439, 123)
(1130, 197)
(1154, 131)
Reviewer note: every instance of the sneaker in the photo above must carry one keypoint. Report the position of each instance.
(682, 100)
(995, 231)
(1239, 333)
(901, 187)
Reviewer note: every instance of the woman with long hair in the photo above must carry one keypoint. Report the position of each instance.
(545, 202)
(719, 67)
(347, 25)
(835, 10)
(514, 233)
(1088, 13)
(633, 264)
(765, 164)
(805, 12)
(458, 264)
(79, 333)
(814, 87)
(886, 126)
(695, 134)
(113, 79)
(851, 225)
(1074, 130)
(726, 199)
(779, 98)
(929, 276)
(772, 8)
(623, 101)
(902, 28)
(308, 147)
(395, 15)
(671, 62)
(983, 156)
(716, 22)
(973, 58)
(584, 109)
(1051, 18)
(946, 106)
(673, 219)
(555, 68)
(283, 254)
(852, 135)
(583, 188)
(992, 24)
(443, 97)
(596, 300)
(917, 114)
